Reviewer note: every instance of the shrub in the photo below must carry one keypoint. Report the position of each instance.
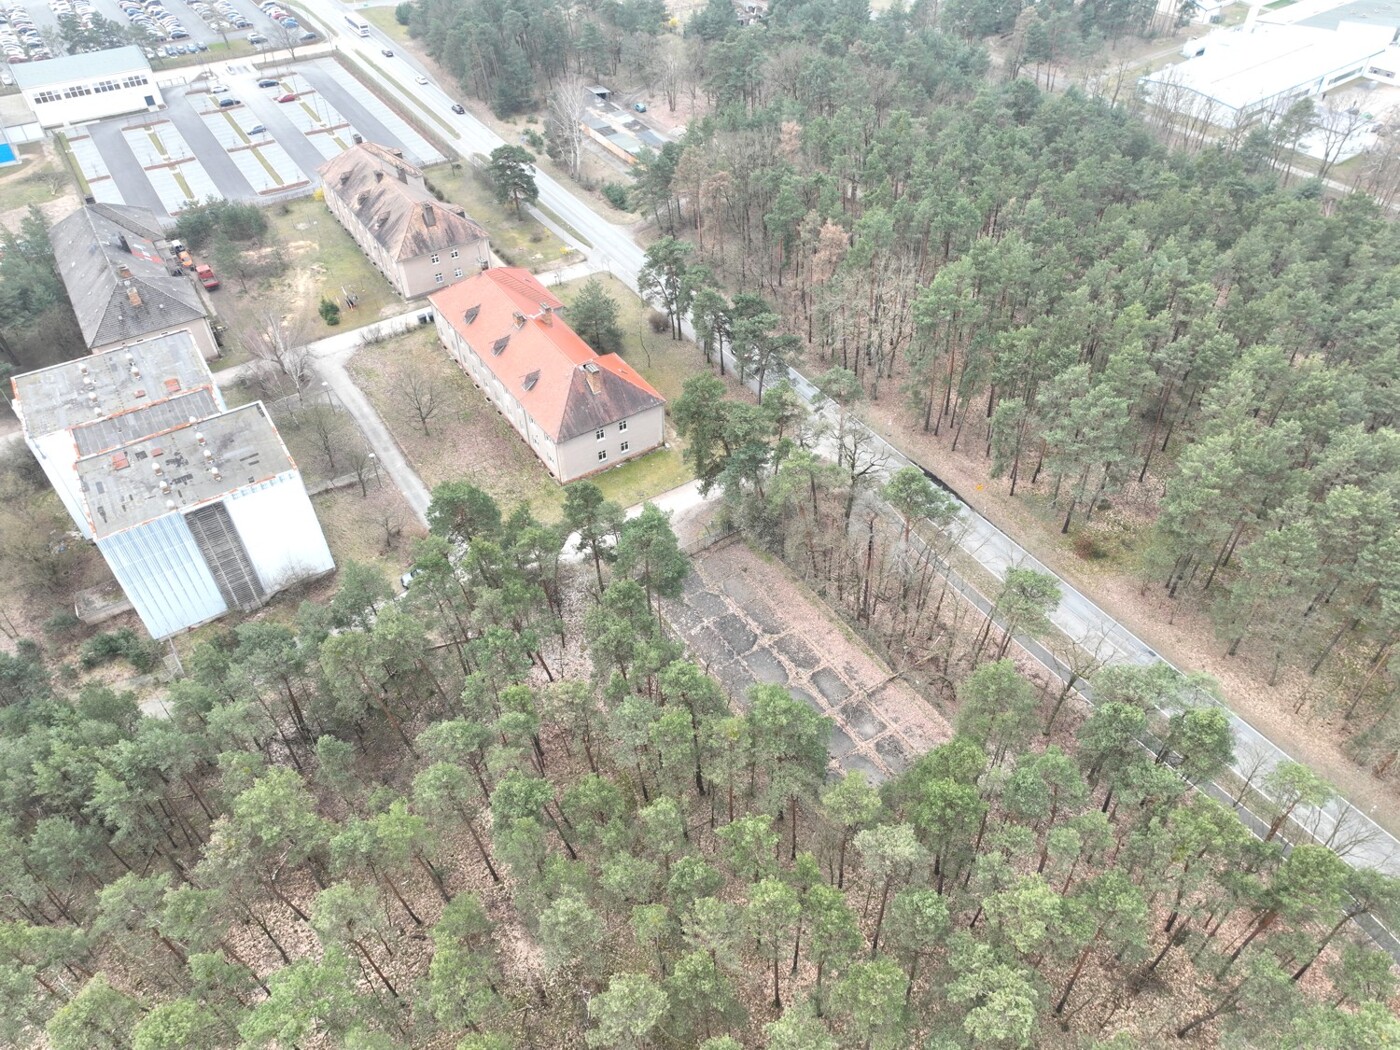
(659, 322)
(330, 312)
(144, 655)
(402, 13)
(534, 139)
(61, 622)
(616, 195)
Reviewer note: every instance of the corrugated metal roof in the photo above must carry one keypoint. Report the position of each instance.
(166, 414)
(80, 67)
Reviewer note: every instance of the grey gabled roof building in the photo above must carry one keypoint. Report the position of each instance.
(113, 260)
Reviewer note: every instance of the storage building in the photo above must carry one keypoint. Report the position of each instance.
(79, 88)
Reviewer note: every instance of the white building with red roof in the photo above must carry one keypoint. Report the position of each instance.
(579, 411)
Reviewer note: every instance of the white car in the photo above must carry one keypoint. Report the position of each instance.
(421, 78)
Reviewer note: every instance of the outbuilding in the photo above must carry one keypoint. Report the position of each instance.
(79, 88)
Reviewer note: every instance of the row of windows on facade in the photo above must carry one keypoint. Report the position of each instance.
(436, 257)
(603, 453)
(437, 277)
(79, 90)
(602, 433)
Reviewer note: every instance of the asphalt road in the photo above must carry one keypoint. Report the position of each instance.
(613, 248)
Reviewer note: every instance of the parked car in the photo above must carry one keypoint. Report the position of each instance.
(256, 38)
(288, 97)
(269, 82)
(307, 37)
(457, 107)
(206, 276)
(226, 101)
(257, 129)
(640, 107)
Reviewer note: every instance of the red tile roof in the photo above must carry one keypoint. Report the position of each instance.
(516, 331)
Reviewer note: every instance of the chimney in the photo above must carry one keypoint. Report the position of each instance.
(403, 173)
(519, 319)
(429, 216)
(344, 177)
(378, 176)
(590, 376)
(124, 272)
(360, 200)
(546, 313)
(132, 295)
(123, 243)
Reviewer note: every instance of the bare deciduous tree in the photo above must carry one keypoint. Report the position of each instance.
(281, 356)
(421, 396)
(328, 427)
(1334, 132)
(568, 103)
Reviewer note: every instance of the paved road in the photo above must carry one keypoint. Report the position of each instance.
(614, 249)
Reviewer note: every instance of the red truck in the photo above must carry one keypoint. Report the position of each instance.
(206, 276)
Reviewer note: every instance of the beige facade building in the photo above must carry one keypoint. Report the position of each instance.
(418, 243)
(580, 412)
(124, 282)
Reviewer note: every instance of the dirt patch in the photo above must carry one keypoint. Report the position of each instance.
(1182, 634)
(748, 621)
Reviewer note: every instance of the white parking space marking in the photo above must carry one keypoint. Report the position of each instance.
(412, 141)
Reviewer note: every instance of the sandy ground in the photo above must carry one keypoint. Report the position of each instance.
(1182, 634)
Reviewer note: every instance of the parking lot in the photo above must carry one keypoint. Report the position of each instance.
(254, 147)
(226, 19)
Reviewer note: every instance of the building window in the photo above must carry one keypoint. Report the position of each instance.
(602, 454)
(454, 253)
(434, 258)
(601, 434)
(625, 446)
(105, 85)
(457, 272)
(46, 96)
(622, 426)
(437, 278)
(76, 91)
(134, 81)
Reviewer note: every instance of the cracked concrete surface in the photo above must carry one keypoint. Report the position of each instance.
(748, 621)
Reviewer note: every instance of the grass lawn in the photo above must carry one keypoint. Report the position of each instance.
(660, 470)
(467, 438)
(382, 18)
(357, 527)
(665, 363)
(518, 241)
(39, 179)
(322, 262)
